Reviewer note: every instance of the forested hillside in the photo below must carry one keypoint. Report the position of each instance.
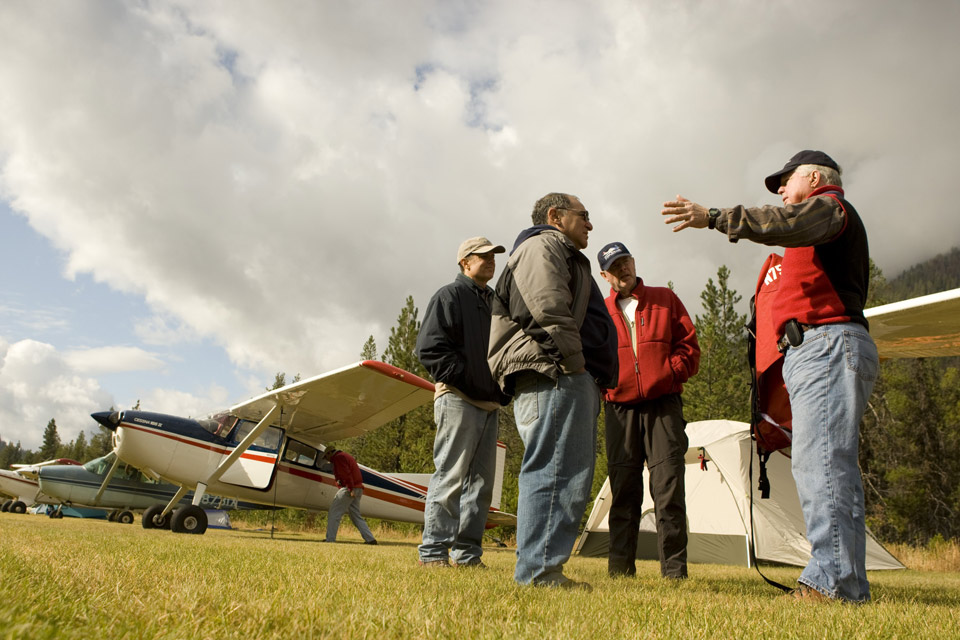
(936, 274)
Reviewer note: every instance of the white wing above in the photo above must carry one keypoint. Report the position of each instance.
(341, 404)
(924, 327)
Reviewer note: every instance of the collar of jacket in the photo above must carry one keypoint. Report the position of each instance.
(482, 291)
(538, 229)
(819, 191)
(637, 291)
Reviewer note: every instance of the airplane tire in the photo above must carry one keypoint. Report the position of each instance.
(189, 519)
(112, 516)
(18, 507)
(125, 517)
(6, 506)
(151, 518)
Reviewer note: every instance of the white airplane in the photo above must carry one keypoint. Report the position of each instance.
(267, 450)
(924, 327)
(20, 483)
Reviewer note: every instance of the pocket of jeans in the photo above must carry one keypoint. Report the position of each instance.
(526, 404)
(860, 353)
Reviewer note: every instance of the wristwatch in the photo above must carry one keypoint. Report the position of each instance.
(712, 216)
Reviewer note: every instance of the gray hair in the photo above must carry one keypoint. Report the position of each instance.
(828, 175)
(558, 200)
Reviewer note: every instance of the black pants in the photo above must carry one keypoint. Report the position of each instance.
(651, 432)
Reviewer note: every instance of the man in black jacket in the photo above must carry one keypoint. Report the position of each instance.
(452, 345)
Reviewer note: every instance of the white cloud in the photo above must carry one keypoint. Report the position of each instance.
(112, 359)
(180, 403)
(37, 384)
(278, 177)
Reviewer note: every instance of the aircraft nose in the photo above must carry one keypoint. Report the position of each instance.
(107, 419)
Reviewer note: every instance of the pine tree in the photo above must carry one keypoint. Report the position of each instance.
(369, 351)
(78, 448)
(721, 389)
(404, 444)
(51, 441)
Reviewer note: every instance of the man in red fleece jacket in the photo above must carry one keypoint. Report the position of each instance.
(347, 473)
(658, 351)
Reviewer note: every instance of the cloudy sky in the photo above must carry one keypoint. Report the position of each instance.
(194, 196)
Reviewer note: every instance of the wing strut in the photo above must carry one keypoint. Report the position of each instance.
(106, 480)
(235, 455)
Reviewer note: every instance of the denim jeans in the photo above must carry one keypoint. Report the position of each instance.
(557, 421)
(345, 502)
(829, 378)
(460, 491)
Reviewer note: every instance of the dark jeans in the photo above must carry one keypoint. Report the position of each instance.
(651, 432)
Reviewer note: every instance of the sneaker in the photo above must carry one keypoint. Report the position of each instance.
(566, 583)
(442, 563)
(478, 564)
(806, 594)
(370, 542)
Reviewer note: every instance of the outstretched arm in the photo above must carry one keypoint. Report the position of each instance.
(686, 213)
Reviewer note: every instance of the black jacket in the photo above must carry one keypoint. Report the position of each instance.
(452, 344)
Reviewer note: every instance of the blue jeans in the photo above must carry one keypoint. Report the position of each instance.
(829, 378)
(460, 491)
(347, 502)
(557, 421)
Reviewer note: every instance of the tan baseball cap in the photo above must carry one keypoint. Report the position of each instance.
(477, 245)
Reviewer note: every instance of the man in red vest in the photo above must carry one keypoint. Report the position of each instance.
(830, 362)
(657, 351)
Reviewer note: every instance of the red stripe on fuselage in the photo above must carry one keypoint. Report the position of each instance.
(201, 445)
(372, 492)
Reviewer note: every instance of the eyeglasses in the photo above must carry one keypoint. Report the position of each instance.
(583, 213)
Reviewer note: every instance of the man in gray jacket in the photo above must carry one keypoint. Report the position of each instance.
(552, 346)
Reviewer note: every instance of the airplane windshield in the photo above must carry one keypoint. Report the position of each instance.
(101, 466)
(219, 424)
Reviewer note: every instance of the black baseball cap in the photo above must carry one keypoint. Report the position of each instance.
(803, 157)
(609, 254)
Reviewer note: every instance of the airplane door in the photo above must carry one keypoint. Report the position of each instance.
(255, 467)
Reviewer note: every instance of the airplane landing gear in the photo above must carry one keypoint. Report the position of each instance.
(152, 519)
(6, 506)
(189, 519)
(124, 517)
(18, 507)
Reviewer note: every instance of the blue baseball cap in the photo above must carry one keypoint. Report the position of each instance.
(610, 253)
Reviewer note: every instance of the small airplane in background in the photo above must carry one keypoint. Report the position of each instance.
(20, 483)
(129, 490)
(267, 450)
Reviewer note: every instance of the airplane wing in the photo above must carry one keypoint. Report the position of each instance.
(341, 404)
(924, 327)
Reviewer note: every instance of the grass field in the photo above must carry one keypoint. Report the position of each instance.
(93, 579)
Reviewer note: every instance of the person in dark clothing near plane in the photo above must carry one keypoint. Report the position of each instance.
(346, 471)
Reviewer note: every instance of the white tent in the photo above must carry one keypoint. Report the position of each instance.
(718, 507)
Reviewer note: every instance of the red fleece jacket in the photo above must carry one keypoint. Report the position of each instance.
(668, 353)
(346, 470)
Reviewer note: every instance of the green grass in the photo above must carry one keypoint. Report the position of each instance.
(93, 579)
